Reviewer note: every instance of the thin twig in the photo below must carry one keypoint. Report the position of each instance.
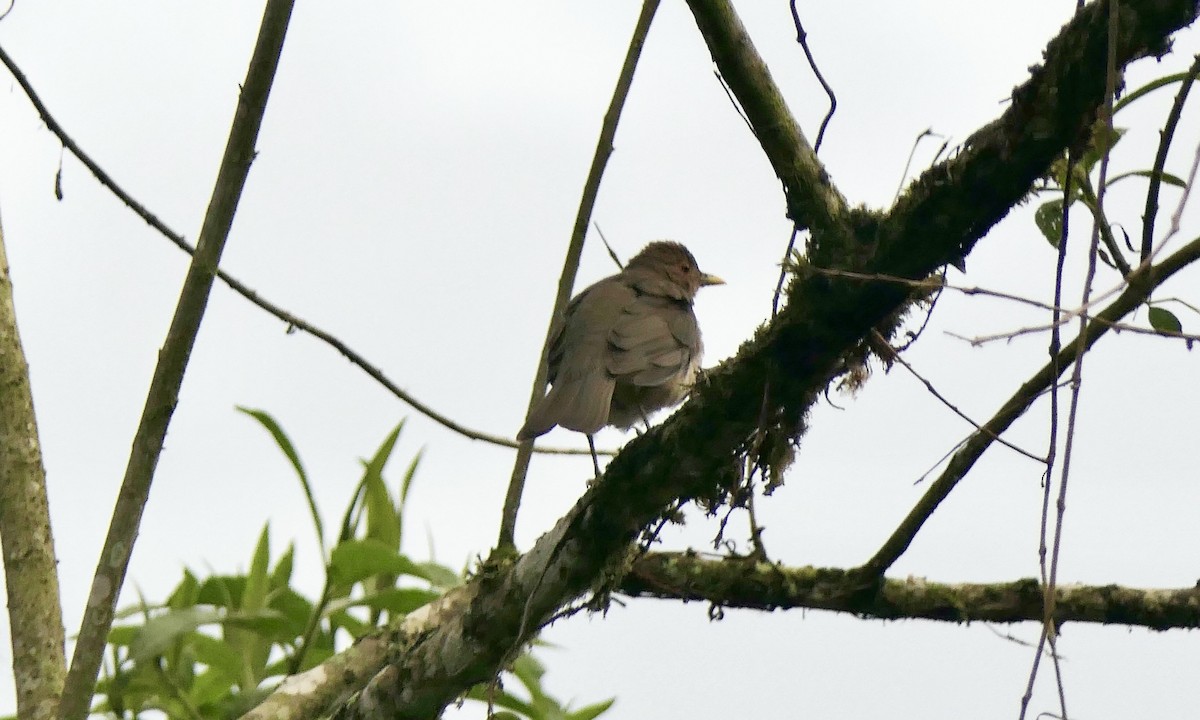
(1160, 157)
(953, 408)
(733, 101)
(293, 322)
(611, 253)
(1067, 317)
(1143, 281)
(1048, 625)
(35, 617)
(566, 281)
(1177, 216)
(172, 362)
(783, 266)
(802, 38)
(928, 132)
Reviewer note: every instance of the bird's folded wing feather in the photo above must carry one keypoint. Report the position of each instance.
(651, 343)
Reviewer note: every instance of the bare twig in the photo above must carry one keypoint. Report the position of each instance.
(611, 253)
(566, 281)
(1160, 157)
(172, 361)
(802, 38)
(293, 322)
(1143, 282)
(1066, 317)
(928, 132)
(1049, 628)
(954, 408)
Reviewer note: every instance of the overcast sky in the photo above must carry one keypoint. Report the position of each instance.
(419, 169)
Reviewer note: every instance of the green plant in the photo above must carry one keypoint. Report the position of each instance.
(220, 643)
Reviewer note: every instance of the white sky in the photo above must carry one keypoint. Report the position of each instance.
(419, 170)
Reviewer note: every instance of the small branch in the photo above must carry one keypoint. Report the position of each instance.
(292, 321)
(812, 200)
(802, 38)
(172, 362)
(953, 408)
(1143, 280)
(30, 568)
(748, 583)
(1160, 158)
(566, 281)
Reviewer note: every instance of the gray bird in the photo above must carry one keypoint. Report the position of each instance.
(626, 346)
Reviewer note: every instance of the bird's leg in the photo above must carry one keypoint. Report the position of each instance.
(595, 460)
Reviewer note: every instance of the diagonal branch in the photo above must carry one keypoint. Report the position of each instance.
(566, 281)
(292, 321)
(812, 200)
(1143, 282)
(746, 583)
(30, 569)
(462, 638)
(172, 362)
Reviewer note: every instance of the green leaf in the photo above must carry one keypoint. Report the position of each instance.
(398, 601)
(588, 712)
(438, 575)
(382, 524)
(217, 655)
(1048, 218)
(1164, 320)
(222, 591)
(185, 593)
(1165, 177)
(354, 560)
(1103, 140)
(123, 635)
(1149, 87)
(266, 626)
(530, 672)
(255, 596)
(405, 486)
(294, 607)
(282, 574)
(160, 632)
(485, 692)
(281, 439)
(211, 686)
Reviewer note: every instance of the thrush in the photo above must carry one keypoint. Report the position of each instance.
(626, 346)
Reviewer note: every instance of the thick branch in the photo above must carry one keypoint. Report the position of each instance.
(172, 361)
(696, 454)
(1143, 281)
(747, 583)
(30, 570)
(812, 200)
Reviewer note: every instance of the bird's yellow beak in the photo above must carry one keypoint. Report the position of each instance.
(707, 279)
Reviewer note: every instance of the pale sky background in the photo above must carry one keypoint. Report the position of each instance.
(418, 172)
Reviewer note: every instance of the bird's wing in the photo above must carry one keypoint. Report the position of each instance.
(652, 342)
(582, 391)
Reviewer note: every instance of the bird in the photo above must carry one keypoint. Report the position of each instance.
(625, 347)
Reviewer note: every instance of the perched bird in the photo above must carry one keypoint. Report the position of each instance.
(626, 346)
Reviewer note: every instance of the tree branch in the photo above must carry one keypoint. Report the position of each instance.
(1142, 282)
(812, 200)
(292, 321)
(696, 454)
(566, 281)
(746, 583)
(172, 361)
(30, 568)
